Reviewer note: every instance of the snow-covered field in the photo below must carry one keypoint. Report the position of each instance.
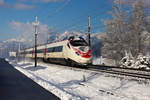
(70, 84)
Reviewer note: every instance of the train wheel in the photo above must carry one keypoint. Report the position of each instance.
(70, 63)
(45, 60)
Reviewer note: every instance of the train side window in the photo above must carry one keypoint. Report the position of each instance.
(39, 51)
(30, 52)
(27, 52)
(68, 45)
(58, 49)
(53, 49)
(50, 49)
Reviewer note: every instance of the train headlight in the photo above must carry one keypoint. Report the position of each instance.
(77, 53)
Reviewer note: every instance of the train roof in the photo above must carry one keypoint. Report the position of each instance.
(58, 41)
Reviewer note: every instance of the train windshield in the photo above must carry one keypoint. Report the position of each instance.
(78, 43)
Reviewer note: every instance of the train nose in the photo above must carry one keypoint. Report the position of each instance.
(84, 48)
(85, 61)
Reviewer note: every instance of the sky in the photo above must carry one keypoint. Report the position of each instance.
(17, 16)
(59, 15)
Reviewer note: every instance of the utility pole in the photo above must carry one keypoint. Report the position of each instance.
(18, 56)
(36, 23)
(0, 52)
(89, 29)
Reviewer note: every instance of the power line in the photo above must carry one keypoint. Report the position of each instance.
(78, 22)
(81, 21)
(57, 10)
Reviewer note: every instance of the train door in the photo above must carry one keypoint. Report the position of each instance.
(64, 52)
(45, 53)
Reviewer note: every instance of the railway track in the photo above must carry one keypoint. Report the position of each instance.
(121, 71)
(136, 73)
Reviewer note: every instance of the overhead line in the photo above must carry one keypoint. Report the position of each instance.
(76, 22)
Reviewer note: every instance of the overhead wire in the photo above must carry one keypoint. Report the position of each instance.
(94, 17)
(57, 10)
(81, 21)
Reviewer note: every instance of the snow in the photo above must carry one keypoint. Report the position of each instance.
(141, 62)
(78, 84)
(104, 61)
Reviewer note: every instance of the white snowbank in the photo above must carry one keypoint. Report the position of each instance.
(141, 62)
(69, 84)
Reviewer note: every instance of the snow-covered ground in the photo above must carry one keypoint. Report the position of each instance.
(70, 84)
(104, 61)
(141, 62)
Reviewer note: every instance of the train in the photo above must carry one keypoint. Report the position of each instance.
(72, 51)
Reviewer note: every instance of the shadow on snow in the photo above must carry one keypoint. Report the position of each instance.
(33, 68)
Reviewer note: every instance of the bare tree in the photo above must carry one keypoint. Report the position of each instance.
(136, 27)
(125, 32)
(116, 29)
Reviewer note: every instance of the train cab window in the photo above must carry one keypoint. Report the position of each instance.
(79, 43)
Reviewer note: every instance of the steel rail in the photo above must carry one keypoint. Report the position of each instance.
(112, 70)
(120, 71)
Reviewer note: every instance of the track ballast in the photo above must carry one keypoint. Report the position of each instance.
(120, 71)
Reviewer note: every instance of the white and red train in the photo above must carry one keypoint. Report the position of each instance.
(74, 50)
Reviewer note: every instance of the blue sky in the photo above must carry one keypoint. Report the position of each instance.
(60, 15)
